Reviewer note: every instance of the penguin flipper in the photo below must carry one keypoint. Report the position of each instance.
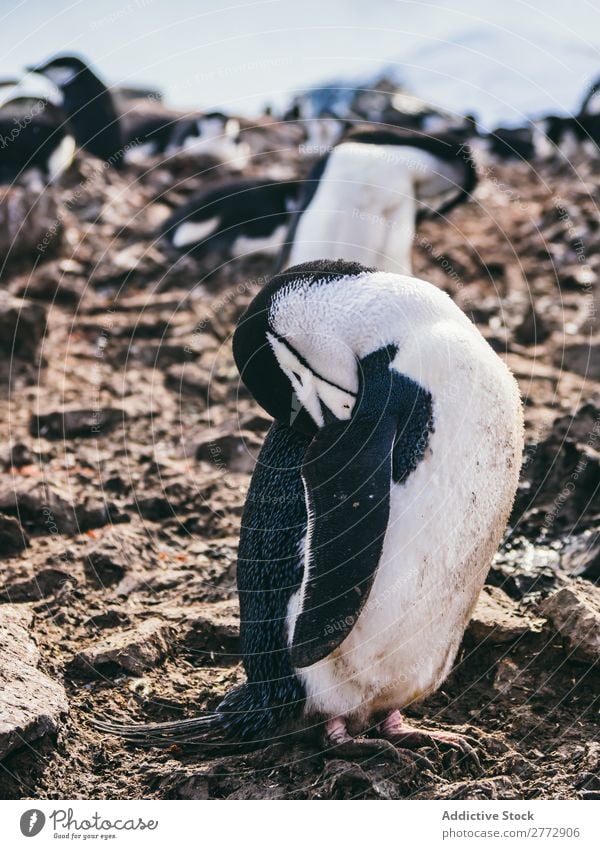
(347, 475)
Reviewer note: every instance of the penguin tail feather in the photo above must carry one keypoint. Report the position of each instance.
(206, 731)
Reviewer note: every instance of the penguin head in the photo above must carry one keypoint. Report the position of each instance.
(296, 359)
(67, 72)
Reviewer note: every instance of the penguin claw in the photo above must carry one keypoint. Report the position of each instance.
(458, 748)
(371, 747)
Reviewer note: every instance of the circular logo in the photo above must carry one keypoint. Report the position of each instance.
(32, 822)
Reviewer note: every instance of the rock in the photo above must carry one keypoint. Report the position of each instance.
(153, 507)
(42, 584)
(13, 538)
(192, 379)
(497, 619)
(44, 510)
(533, 329)
(230, 452)
(581, 556)
(17, 456)
(71, 423)
(105, 565)
(134, 650)
(111, 617)
(507, 675)
(42, 232)
(574, 611)
(31, 703)
(582, 427)
(215, 631)
(22, 326)
(581, 358)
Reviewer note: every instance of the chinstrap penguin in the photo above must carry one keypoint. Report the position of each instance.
(35, 142)
(363, 200)
(89, 105)
(234, 218)
(379, 497)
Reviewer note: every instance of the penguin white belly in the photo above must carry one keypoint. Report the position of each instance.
(244, 245)
(445, 524)
(363, 210)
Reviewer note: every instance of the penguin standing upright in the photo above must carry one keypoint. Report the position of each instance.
(89, 106)
(362, 201)
(380, 495)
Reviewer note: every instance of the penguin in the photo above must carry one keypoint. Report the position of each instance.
(590, 104)
(567, 134)
(35, 142)
(234, 219)
(379, 497)
(147, 133)
(89, 105)
(510, 143)
(212, 134)
(362, 201)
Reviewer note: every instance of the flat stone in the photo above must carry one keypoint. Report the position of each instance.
(134, 650)
(31, 703)
(497, 618)
(215, 631)
(71, 423)
(230, 452)
(574, 612)
(13, 538)
(22, 326)
(28, 587)
(43, 509)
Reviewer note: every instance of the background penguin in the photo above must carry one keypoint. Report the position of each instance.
(234, 218)
(567, 134)
(34, 141)
(89, 106)
(397, 444)
(362, 201)
(212, 134)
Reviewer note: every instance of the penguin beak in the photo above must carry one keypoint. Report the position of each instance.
(347, 474)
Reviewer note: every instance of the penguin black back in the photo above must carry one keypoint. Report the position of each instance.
(89, 106)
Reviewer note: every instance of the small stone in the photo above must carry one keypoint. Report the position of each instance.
(497, 618)
(215, 631)
(72, 423)
(43, 583)
(134, 650)
(533, 329)
(13, 538)
(31, 703)
(230, 452)
(22, 326)
(574, 612)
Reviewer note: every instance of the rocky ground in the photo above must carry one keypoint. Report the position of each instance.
(128, 445)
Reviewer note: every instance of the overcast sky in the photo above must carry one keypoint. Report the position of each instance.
(501, 60)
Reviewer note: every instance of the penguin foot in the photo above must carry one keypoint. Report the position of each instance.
(395, 729)
(341, 744)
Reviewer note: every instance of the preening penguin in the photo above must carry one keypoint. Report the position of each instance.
(362, 200)
(236, 217)
(379, 498)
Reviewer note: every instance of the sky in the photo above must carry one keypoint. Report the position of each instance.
(504, 61)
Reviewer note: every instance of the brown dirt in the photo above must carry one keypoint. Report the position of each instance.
(158, 494)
